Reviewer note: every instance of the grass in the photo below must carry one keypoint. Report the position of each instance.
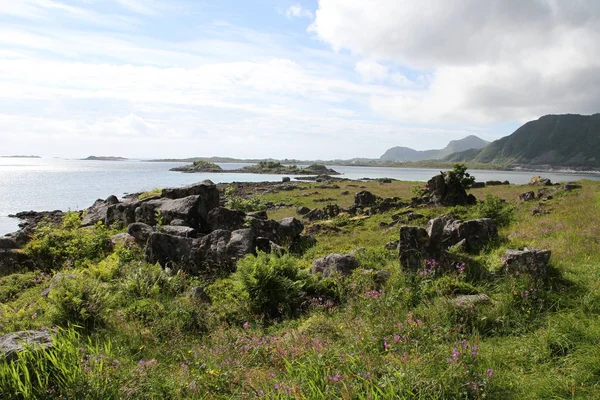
(274, 332)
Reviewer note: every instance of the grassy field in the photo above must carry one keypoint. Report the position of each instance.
(127, 329)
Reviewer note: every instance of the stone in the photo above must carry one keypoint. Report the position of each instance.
(478, 185)
(445, 189)
(392, 245)
(122, 213)
(527, 196)
(178, 222)
(568, 187)
(539, 211)
(198, 293)
(382, 276)
(8, 243)
(477, 233)
(345, 193)
(365, 199)
(331, 264)
(539, 181)
(470, 300)
(12, 260)
(169, 250)
(14, 343)
(492, 183)
(122, 238)
(226, 219)
(183, 231)
(258, 214)
(222, 249)
(140, 232)
(532, 261)
(285, 179)
(302, 210)
(56, 279)
(190, 209)
(327, 212)
(413, 247)
(459, 247)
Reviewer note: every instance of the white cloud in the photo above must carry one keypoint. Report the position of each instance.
(371, 71)
(297, 11)
(486, 60)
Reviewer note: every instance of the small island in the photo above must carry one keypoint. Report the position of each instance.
(263, 167)
(104, 158)
(20, 156)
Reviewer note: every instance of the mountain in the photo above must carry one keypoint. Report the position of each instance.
(408, 154)
(567, 140)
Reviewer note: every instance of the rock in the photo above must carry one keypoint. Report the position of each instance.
(527, 196)
(327, 212)
(205, 189)
(413, 247)
(169, 250)
(226, 219)
(122, 238)
(567, 187)
(8, 243)
(358, 251)
(140, 232)
(477, 233)
(411, 216)
(302, 210)
(190, 209)
(97, 212)
(470, 300)
(387, 204)
(13, 260)
(393, 245)
(178, 222)
(56, 279)
(198, 293)
(385, 180)
(14, 343)
(334, 263)
(183, 231)
(365, 199)
(460, 247)
(539, 211)
(539, 181)
(345, 193)
(322, 228)
(122, 213)
(445, 189)
(285, 179)
(492, 183)
(478, 185)
(258, 215)
(283, 232)
(534, 262)
(382, 276)
(222, 249)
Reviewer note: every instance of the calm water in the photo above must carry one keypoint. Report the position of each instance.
(55, 184)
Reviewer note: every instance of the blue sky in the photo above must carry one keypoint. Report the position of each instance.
(297, 79)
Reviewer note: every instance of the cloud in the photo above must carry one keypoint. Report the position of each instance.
(371, 71)
(486, 60)
(297, 11)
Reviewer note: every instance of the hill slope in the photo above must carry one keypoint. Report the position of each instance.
(568, 140)
(407, 154)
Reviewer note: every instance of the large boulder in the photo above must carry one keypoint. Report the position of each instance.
(140, 231)
(477, 233)
(8, 243)
(334, 263)
(169, 250)
(532, 261)
(14, 343)
(445, 189)
(365, 199)
(97, 212)
(121, 213)
(413, 248)
(190, 209)
(226, 219)
(283, 232)
(222, 249)
(178, 230)
(13, 260)
(206, 190)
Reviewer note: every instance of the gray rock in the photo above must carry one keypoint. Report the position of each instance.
(14, 343)
(470, 300)
(56, 279)
(169, 250)
(226, 219)
(222, 249)
(413, 248)
(98, 211)
(539, 181)
(477, 233)
(258, 214)
(122, 213)
(365, 199)
(393, 245)
(285, 179)
(140, 231)
(8, 243)
(12, 260)
(178, 222)
(382, 276)
(445, 189)
(183, 231)
(198, 293)
(532, 261)
(478, 185)
(122, 238)
(334, 263)
(459, 247)
(190, 209)
(302, 210)
(527, 196)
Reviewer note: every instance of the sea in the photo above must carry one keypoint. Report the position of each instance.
(46, 184)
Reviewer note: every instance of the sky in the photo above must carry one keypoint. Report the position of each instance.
(325, 79)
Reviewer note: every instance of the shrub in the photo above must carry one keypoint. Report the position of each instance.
(82, 301)
(459, 172)
(68, 244)
(495, 208)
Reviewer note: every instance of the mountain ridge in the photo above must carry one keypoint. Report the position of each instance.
(404, 154)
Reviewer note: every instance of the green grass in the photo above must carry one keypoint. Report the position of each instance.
(274, 332)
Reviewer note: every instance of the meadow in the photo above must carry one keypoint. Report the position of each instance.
(125, 329)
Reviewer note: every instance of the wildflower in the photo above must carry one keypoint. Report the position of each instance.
(490, 373)
(246, 325)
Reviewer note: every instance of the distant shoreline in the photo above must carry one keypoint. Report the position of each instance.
(19, 156)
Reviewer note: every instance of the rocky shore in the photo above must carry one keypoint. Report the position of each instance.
(268, 167)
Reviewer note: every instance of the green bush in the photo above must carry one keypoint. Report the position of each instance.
(82, 301)
(495, 208)
(459, 172)
(274, 286)
(68, 244)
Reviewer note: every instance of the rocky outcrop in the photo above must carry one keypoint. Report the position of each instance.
(190, 209)
(140, 231)
(13, 260)
(222, 249)
(365, 199)
(531, 261)
(417, 244)
(445, 189)
(332, 264)
(97, 212)
(327, 212)
(14, 343)
(172, 251)
(178, 230)
(224, 218)
(527, 196)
